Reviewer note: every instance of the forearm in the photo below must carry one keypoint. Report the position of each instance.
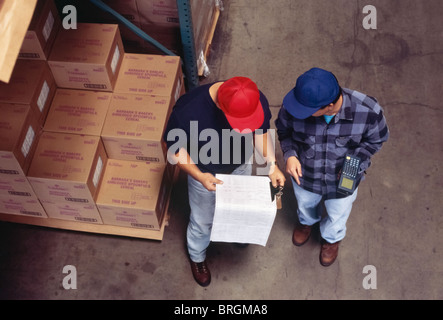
(265, 147)
(288, 148)
(183, 160)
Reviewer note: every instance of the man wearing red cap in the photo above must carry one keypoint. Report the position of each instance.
(318, 126)
(215, 115)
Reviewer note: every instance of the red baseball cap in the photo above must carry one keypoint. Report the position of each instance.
(239, 99)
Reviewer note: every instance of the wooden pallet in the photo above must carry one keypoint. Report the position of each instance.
(87, 227)
(97, 228)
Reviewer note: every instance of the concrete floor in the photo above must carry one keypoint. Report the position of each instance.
(396, 223)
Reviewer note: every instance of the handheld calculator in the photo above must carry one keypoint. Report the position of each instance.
(348, 177)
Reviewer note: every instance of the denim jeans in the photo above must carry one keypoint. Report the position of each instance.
(202, 203)
(333, 225)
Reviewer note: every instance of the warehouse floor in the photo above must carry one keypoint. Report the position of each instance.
(396, 223)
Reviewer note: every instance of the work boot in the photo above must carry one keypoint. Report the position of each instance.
(328, 253)
(201, 273)
(301, 234)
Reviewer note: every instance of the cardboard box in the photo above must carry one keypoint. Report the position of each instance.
(134, 127)
(88, 57)
(67, 167)
(150, 74)
(16, 194)
(24, 206)
(78, 212)
(168, 36)
(133, 194)
(31, 84)
(158, 12)
(78, 111)
(19, 133)
(9, 167)
(127, 8)
(41, 33)
(13, 181)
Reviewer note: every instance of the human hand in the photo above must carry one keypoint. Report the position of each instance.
(277, 177)
(293, 167)
(209, 181)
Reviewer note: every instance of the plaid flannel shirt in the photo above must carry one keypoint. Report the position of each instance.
(359, 128)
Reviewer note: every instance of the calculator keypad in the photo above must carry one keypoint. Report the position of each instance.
(351, 167)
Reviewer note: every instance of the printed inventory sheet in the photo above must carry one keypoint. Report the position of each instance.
(244, 212)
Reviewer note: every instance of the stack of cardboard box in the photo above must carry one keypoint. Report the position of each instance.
(81, 132)
(24, 104)
(138, 177)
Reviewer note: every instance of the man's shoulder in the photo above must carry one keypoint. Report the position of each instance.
(193, 99)
(364, 101)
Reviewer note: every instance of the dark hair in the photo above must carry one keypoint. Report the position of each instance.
(335, 100)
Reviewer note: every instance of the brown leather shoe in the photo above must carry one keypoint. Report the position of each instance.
(201, 273)
(328, 253)
(301, 234)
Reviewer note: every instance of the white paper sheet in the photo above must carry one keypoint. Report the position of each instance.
(244, 212)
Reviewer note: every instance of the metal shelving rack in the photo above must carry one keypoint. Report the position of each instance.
(187, 36)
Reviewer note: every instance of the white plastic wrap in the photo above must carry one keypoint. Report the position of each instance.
(205, 15)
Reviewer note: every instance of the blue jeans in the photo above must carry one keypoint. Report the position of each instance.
(333, 225)
(202, 203)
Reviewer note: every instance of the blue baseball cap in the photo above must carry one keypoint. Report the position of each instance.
(314, 89)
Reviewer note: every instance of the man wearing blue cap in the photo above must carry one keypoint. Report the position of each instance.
(318, 125)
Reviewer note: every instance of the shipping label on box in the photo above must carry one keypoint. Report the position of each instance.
(132, 218)
(134, 127)
(41, 33)
(132, 194)
(67, 167)
(150, 74)
(31, 84)
(78, 111)
(88, 57)
(78, 212)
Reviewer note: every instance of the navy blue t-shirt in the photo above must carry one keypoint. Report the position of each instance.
(199, 126)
